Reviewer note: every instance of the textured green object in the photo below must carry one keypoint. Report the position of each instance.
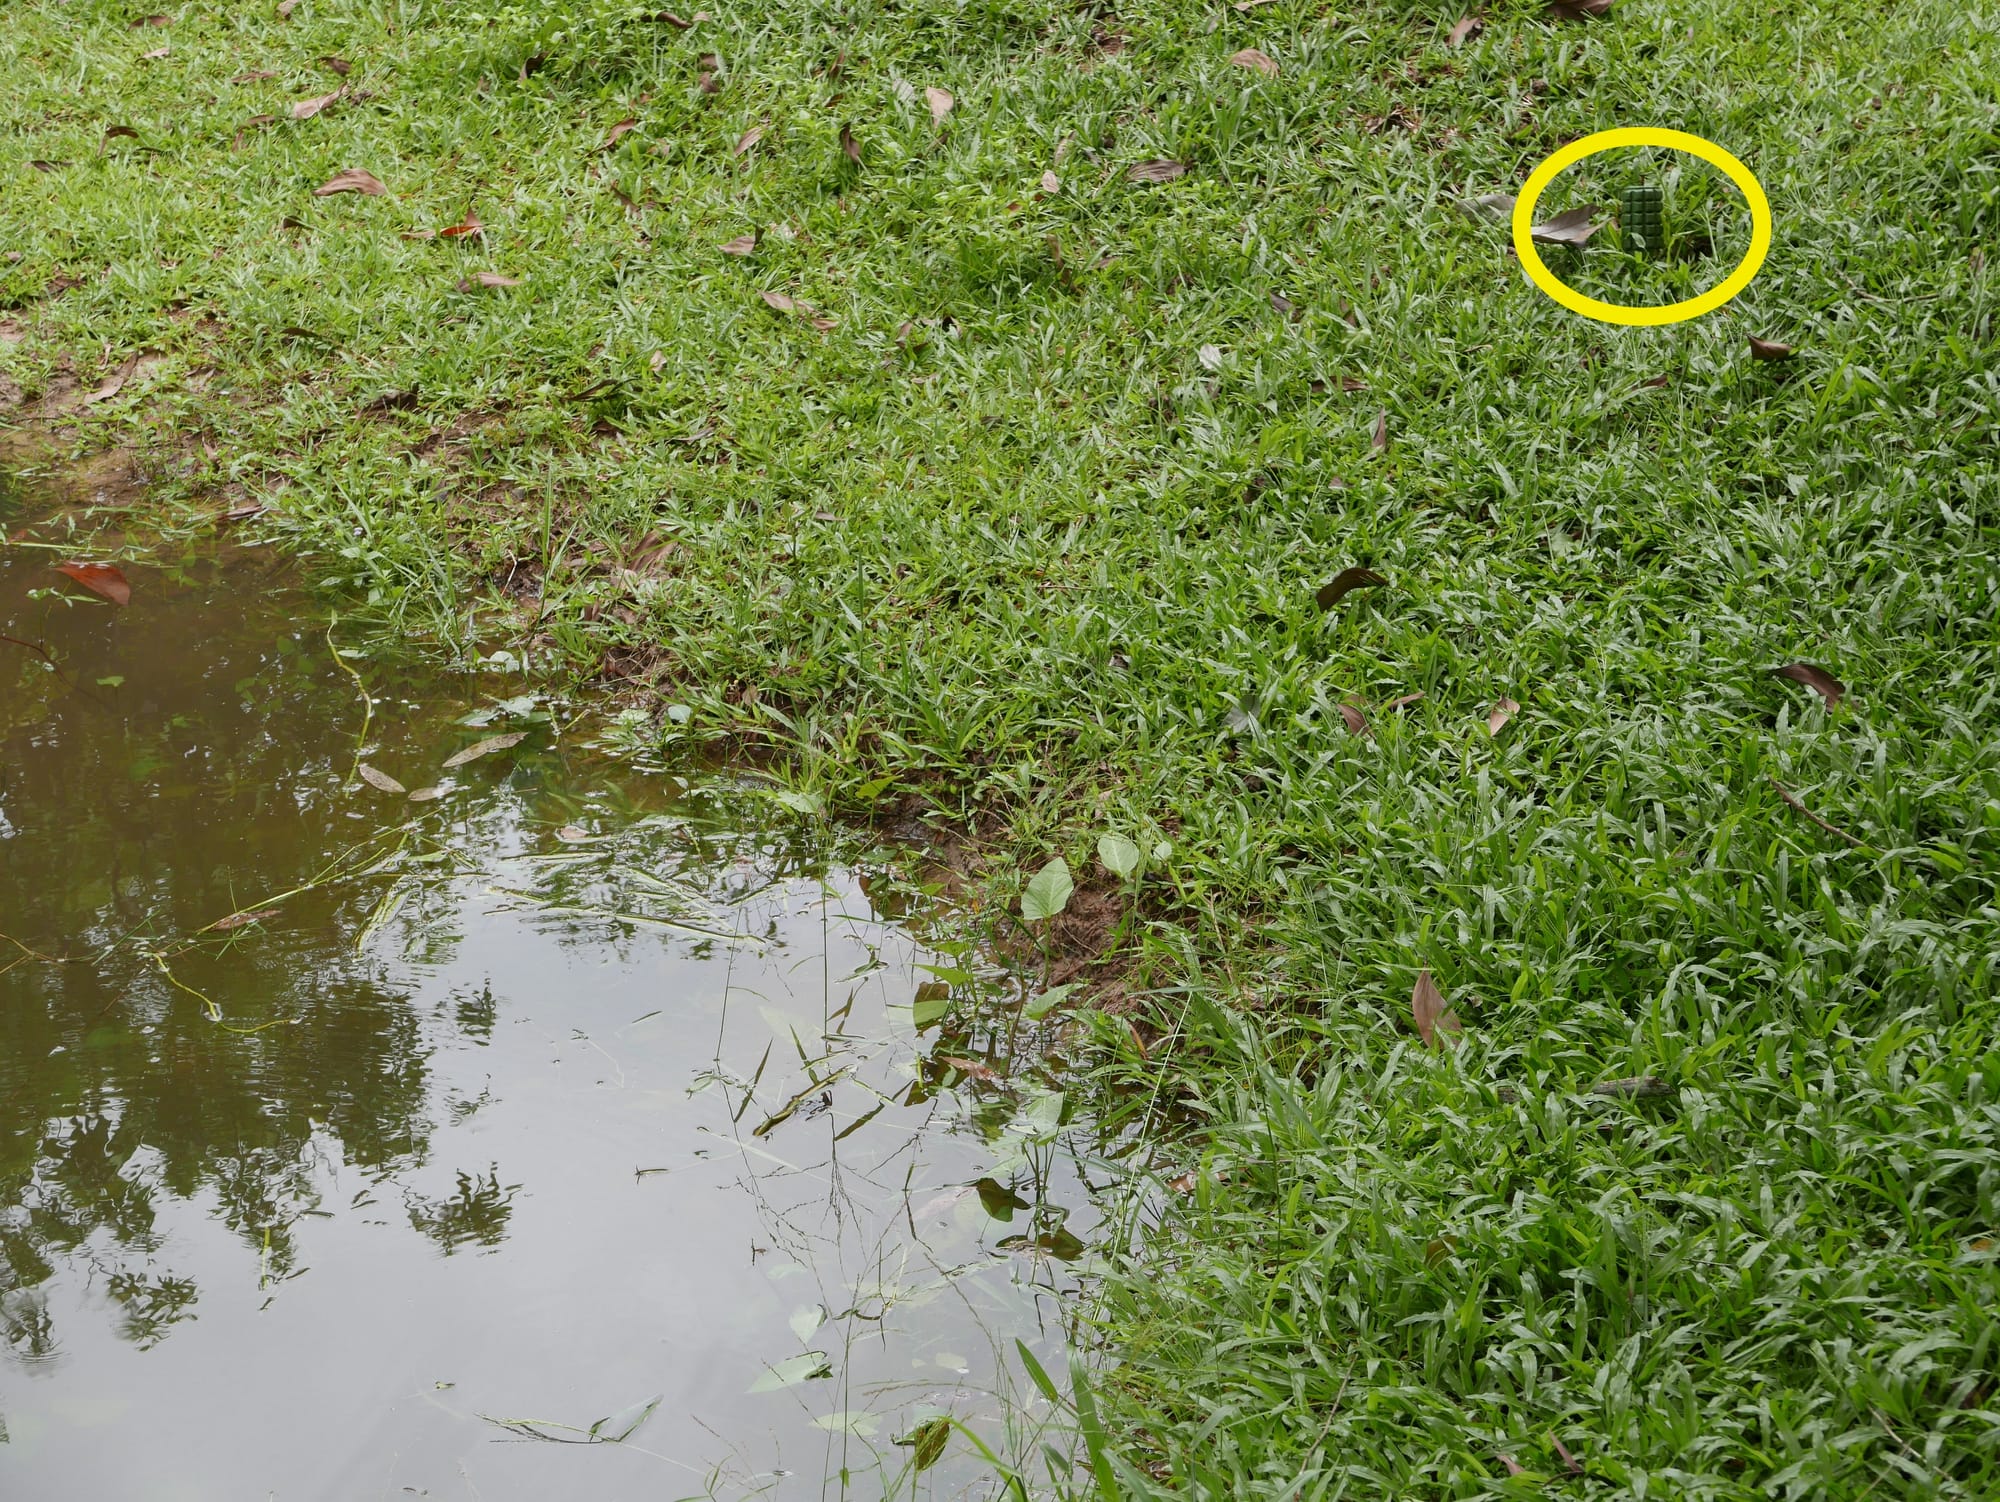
(1640, 215)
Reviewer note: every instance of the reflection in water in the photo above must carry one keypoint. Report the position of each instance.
(352, 1144)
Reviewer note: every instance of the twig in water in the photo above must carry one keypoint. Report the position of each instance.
(1785, 794)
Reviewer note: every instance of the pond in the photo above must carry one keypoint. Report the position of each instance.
(531, 1127)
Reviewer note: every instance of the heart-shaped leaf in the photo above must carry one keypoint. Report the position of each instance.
(1048, 892)
(1120, 855)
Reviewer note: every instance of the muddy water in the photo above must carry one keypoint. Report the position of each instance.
(358, 1147)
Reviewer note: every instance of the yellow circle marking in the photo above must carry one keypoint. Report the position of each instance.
(1642, 135)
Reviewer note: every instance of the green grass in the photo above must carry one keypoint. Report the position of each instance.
(1036, 533)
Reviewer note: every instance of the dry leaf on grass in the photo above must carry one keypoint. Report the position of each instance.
(1498, 716)
(1405, 701)
(748, 139)
(152, 21)
(156, 54)
(485, 748)
(1159, 170)
(850, 147)
(494, 279)
(353, 180)
(1513, 1466)
(742, 245)
(469, 226)
(305, 109)
(1578, 10)
(1379, 440)
(118, 132)
(1357, 722)
(1051, 184)
(618, 131)
(1466, 30)
(1819, 680)
(338, 65)
(1256, 61)
(1487, 206)
(113, 383)
(1347, 580)
(1435, 1019)
(380, 780)
(1767, 349)
(286, 7)
(1571, 227)
(1569, 1461)
(105, 580)
(941, 104)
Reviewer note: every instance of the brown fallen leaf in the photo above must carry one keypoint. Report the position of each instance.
(972, 1067)
(286, 7)
(1578, 10)
(742, 245)
(1571, 227)
(705, 81)
(1156, 171)
(247, 512)
(420, 234)
(470, 225)
(850, 147)
(1379, 440)
(1819, 680)
(780, 302)
(1513, 1466)
(1256, 61)
(1434, 1018)
(618, 131)
(105, 580)
(39, 165)
(113, 383)
(1051, 184)
(152, 21)
(485, 748)
(117, 132)
(353, 180)
(657, 361)
(672, 20)
(305, 109)
(495, 279)
(1357, 722)
(258, 75)
(155, 55)
(1183, 1184)
(239, 920)
(380, 780)
(748, 139)
(941, 104)
(1656, 382)
(1498, 716)
(1342, 583)
(338, 65)
(1768, 349)
(1569, 1461)
(1405, 701)
(1465, 31)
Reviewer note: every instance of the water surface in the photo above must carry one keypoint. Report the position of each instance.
(358, 1147)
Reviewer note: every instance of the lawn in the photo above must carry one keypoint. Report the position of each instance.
(963, 405)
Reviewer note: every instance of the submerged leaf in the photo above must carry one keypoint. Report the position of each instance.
(486, 748)
(623, 1424)
(1819, 680)
(104, 580)
(1434, 1018)
(998, 1200)
(1048, 893)
(1571, 227)
(1347, 580)
(985, 1073)
(379, 779)
(1256, 61)
(932, 1001)
(353, 180)
(427, 795)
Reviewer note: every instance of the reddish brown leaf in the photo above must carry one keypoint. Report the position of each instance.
(105, 580)
(1379, 441)
(1157, 171)
(1435, 1019)
(748, 139)
(941, 104)
(1578, 10)
(1513, 1466)
(116, 132)
(1357, 722)
(305, 109)
(849, 146)
(1498, 716)
(1569, 1461)
(618, 131)
(1256, 61)
(706, 81)
(152, 21)
(1819, 680)
(779, 301)
(470, 226)
(1656, 382)
(338, 65)
(239, 920)
(1405, 701)
(974, 1068)
(1766, 349)
(353, 180)
(672, 20)
(742, 245)
(1348, 579)
(1465, 31)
